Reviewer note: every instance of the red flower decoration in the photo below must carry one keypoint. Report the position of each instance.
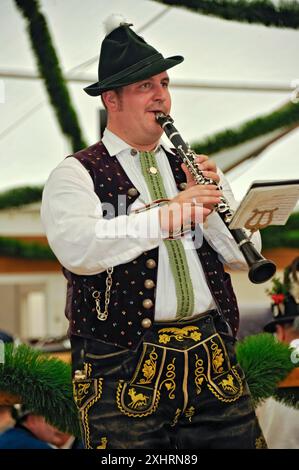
(278, 298)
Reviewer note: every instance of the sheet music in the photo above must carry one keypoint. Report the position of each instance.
(266, 205)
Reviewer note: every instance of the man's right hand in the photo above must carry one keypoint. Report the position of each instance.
(193, 205)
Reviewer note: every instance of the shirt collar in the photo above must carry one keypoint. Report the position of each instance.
(115, 144)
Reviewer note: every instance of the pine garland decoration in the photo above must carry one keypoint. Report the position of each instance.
(288, 396)
(265, 362)
(272, 237)
(26, 250)
(276, 236)
(20, 196)
(50, 71)
(283, 15)
(42, 383)
(285, 116)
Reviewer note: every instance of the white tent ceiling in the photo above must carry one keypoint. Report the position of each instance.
(31, 143)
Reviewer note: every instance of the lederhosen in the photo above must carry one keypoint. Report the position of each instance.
(144, 384)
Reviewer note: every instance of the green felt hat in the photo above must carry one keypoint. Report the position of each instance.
(126, 58)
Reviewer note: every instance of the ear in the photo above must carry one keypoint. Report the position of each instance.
(110, 99)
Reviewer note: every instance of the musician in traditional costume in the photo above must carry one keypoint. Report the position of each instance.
(153, 316)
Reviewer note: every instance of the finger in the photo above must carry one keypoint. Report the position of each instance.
(201, 158)
(189, 176)
(204, 201)
(211, 175)
(199, 214)
(203, 187)
(212, 207)
(208, 165)
(208, 200)
(205, 190)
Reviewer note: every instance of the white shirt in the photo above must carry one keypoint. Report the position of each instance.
(85, 242)
(279, 423)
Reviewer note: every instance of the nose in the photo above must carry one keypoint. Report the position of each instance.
(160, 94)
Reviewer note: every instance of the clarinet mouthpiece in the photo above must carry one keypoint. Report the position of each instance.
(163, 119)
(160, 115)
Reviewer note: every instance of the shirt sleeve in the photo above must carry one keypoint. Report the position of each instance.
(221, 239)
(83, 240)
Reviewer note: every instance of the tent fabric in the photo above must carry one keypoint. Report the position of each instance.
(31, 143)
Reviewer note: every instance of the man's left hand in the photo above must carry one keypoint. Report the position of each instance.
(208, 168)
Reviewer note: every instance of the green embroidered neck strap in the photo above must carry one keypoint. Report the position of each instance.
(175, 248)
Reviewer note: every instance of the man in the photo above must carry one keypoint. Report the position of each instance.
(280, 423)
(6, 418)
(153, 319)
(31, 431)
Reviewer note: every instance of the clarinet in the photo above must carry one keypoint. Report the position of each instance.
(260, 269)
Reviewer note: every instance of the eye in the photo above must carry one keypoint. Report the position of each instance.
(165, 84)
(145, 85)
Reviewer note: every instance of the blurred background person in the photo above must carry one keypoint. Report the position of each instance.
(279, 422)
(6, 418)
(31, 431)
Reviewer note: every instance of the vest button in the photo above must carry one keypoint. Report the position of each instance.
(149, 284)
(133, 152)
(132, 192)
(182, 186)
(150, 263)
(146, 323)
(153, 170)
(147, 303)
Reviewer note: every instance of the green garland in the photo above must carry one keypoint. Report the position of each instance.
(20, 196)
(284, 15)
(265, 362)
(284, 117)
(26, 250)
(286, 236)
(272, 237)
(50, 71)
(43, 384)
(288, 396)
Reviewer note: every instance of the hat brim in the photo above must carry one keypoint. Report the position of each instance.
(159, 66)
(270, 327)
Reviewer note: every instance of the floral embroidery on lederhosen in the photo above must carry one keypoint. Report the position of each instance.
(260, 442)
(212, 366)
(86, 391)
(179, 334)
(140, 396)
(103, 443)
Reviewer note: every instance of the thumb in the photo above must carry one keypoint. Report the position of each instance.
(189, 177)
(200, 214)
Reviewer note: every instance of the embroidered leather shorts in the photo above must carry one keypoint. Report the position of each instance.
(182, 388)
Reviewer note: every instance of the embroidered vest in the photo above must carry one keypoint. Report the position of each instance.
(132, 301)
